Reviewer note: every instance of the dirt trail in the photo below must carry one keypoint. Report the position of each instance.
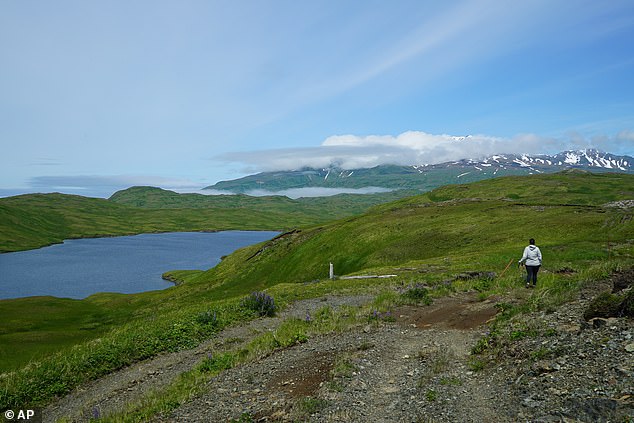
(411, 366)
(395, 355)
(379, 373)
(110, 393)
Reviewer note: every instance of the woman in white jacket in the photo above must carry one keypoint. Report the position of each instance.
(532, 258)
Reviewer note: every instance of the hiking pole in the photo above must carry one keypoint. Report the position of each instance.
(506, 268)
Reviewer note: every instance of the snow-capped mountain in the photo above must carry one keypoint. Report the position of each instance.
(428, 176)
(580, 159)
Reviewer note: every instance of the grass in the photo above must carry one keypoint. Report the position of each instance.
(50, 324)
(436, 361)
(390, 176)
(309, 405)
(36, 220)
(431, 395)
(509, 325)
(290, 332)
(426, 240)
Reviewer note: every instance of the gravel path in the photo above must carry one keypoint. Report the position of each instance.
(378, 373)
(413, 367)
(110, 393)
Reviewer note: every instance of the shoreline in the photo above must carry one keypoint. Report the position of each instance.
(132, 234)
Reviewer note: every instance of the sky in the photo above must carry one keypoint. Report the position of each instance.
(97, 96)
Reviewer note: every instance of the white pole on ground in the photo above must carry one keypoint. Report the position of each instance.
(332, 271)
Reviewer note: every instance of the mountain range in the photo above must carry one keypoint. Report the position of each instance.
(425, 177)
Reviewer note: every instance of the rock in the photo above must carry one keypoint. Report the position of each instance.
(530, 403)
(545, 366)
(592, 409)
(629, 348)
(603, 305)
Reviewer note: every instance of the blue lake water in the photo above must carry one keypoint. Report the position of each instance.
(127, 264)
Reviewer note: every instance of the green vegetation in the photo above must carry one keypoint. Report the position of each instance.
(261, 303)
(308, 405)
(477, 229)
(427, 241)
(35, 220)
(431, 395)
(418, 294)
(290, 332)
(611, 305)
(389, 176)
(334, 206)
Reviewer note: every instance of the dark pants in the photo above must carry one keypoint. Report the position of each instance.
(531, 274)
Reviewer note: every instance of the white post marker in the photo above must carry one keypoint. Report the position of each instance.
(332, 271)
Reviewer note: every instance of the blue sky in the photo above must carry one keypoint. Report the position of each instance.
(99, 96)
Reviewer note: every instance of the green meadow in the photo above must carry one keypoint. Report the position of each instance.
(48, 346)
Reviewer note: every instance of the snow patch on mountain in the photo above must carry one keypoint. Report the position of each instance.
(582, 159)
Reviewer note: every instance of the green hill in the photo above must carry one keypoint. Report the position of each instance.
(481, 225)
(318, 208)
(428, 239)
(35, 220)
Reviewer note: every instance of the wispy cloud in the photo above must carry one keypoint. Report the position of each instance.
(292, 192)
(436, 42)
(45, 161)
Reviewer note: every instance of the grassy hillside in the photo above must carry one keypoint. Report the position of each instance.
(427, 239)
(319, 208)
(36, 220)
(428, 177)
(481, 225)
(389, 176)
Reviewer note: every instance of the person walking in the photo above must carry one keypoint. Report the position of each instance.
(532, 259)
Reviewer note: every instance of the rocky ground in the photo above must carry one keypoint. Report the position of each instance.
(413, 366)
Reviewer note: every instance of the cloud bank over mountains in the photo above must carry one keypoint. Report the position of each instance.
(414, 148)
(342, 151)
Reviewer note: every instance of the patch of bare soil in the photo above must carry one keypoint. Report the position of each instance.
(304, 378)
(458, 312)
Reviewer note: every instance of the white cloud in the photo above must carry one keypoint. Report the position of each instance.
(318, 191)
(408, 148)
(290, 193)
(414, 148)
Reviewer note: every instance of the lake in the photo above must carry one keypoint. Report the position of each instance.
(126, 264)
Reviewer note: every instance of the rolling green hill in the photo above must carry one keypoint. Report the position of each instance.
(426, 239)
(482, 224)
(321, 208)
(35, 220)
